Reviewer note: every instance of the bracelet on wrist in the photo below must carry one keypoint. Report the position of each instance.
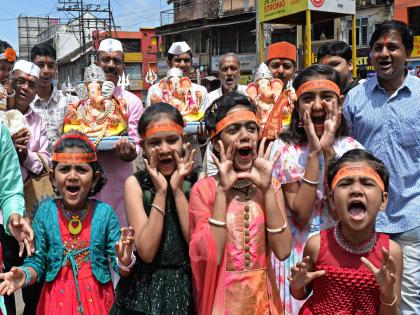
(28, 276)
(127, 268)
(310, 182)
(158, 209)
(217, 222)
(388, 304)
(277, 230)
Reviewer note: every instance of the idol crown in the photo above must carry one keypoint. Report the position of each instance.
(263, 73)
(93, 73)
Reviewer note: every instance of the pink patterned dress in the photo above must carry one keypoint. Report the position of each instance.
(290, 168)
(243, 283)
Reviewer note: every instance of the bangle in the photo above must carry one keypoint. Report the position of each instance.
(278, 230)
(127, 268)
(12, 95)
(216, 222)
(388, 304)
(158, 209)
(310, 182)
(28, 276)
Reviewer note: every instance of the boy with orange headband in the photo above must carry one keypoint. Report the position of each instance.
(351, 268)
(236, 218)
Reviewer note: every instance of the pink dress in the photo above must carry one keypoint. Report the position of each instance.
(290, 168)
(60, 296)
(243, 283)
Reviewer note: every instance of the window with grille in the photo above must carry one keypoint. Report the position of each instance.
(362, 31)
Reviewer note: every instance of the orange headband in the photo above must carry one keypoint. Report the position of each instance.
(73, 158)
(233, 118)
(162, 126)
(360, 171)
(316, 84)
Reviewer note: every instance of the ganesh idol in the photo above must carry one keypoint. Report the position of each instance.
(272, 102)
(175, 89)
(98, 113)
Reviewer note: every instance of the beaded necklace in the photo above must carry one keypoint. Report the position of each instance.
(363, 248)
(242, 183)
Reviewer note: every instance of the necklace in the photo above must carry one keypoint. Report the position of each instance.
(363, 248)
(75, 225)
(242, 183)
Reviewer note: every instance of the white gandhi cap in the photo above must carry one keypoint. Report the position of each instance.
(27, 67)
(110, 45)
(179, 48)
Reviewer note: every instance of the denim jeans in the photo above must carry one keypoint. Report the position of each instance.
(410, 290)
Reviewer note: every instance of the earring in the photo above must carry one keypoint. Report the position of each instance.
(56, 192)
(300, 124)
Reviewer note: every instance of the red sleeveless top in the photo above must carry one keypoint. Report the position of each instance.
(348, 287)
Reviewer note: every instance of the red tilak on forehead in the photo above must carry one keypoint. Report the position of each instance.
(386, 40)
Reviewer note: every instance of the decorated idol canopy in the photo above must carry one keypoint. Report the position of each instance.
(97, 113)
(304, 12)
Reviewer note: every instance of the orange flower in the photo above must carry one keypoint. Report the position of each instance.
(9, 54)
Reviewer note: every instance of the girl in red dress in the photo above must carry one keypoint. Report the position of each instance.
(75, 236)
(350, 268)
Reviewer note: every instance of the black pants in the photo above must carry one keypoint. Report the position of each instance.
(30, 294)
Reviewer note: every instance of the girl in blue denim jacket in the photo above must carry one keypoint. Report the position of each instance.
(75, 237)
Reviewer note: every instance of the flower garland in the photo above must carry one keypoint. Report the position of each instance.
(9, 54)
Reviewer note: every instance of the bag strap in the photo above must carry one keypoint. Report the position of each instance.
(43, 162)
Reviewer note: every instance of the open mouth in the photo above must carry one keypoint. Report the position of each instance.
(245, 153)
(318, 121)
(229, 80)
(165, 161)
(385, 64)
(73, 189)
(357, 210)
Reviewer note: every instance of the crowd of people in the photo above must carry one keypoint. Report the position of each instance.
(319, 217)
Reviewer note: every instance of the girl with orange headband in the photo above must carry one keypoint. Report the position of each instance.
(75, 236)
(350, 268)
(236, 218)
(157, 207)
(316, 133)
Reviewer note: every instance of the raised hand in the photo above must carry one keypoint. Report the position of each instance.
(331, 124)
(384, 276)
(300, 276)
(262, 167)
(184, 167)
(124, 247)
(125, 150)
(12, 281)
(23, 233)
(227, 174)
(314, 144)
(159, 181)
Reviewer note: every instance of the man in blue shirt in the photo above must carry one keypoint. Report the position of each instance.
(384, 115)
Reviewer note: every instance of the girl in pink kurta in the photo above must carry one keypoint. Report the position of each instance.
(236, 219)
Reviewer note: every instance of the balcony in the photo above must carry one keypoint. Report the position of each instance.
(189, 10)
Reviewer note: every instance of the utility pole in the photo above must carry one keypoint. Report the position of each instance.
(99, 18)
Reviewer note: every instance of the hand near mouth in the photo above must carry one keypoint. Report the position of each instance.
(184, 167)
(227, 174)
(159, 181)
(331, 124)
(262, 167)
(313, 140)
